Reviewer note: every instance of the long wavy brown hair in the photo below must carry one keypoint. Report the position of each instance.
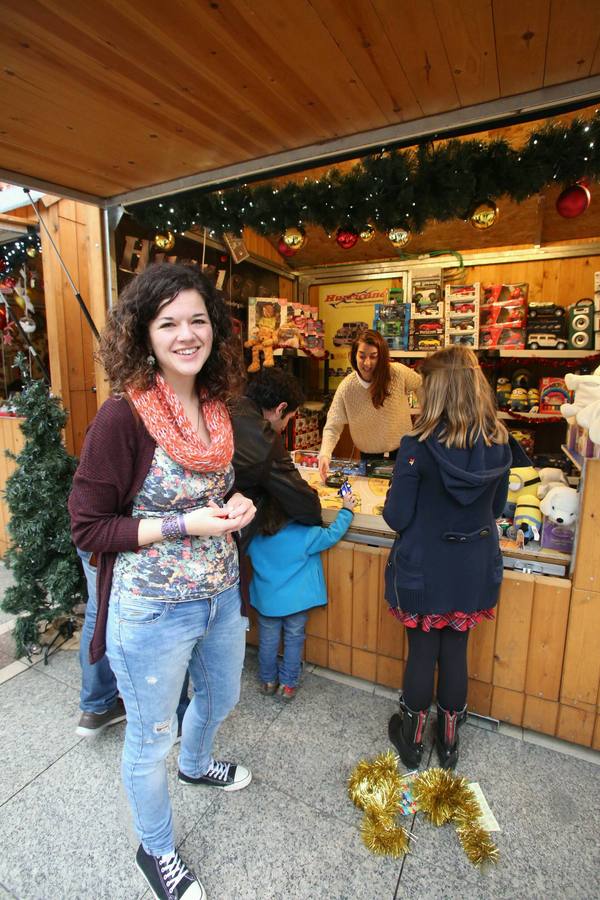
(125, 343)
(382, 376)
(456, 399)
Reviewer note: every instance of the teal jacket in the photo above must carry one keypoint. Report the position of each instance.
(287, 571)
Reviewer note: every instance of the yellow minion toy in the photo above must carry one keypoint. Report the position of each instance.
(522, 480)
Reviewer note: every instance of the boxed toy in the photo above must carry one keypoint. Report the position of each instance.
(266, 312)
(426, 296)
(462, 314)
(509, 336)
(505, 294)
(553, 393)
(557, 537)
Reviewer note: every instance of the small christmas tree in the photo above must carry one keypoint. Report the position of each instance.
(48, 578)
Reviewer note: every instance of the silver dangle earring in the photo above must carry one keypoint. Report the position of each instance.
(151, 360)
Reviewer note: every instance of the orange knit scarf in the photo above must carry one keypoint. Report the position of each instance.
(161, 412)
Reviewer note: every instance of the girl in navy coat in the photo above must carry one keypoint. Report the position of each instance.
(444, 572)
(288, 580)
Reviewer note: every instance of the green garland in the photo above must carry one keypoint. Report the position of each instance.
(406, 188)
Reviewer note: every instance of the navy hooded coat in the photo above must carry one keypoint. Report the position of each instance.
(443, 503)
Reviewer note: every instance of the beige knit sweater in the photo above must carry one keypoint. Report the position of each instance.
(372, 430)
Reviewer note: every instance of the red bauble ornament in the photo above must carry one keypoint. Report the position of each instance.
(2, 318)
(346, 239)
(283, 248)
(573, 201)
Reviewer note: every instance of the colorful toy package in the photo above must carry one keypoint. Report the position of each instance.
(553, 393)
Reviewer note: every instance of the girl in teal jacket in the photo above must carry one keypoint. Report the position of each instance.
(287, 581)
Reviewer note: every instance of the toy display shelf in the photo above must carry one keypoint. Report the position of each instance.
(506, 353)
(576, 458)
(530, 418)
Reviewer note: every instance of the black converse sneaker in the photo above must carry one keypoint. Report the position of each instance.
(169, 877)
(225, 775)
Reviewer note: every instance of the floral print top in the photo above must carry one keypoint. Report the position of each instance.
(178, 569)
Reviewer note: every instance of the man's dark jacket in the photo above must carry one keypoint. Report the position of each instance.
(264, 468)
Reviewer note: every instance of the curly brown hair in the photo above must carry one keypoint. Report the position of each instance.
(382, 377)
(125, 345)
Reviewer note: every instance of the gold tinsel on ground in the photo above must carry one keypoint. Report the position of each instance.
(442, 795)
(370, 776)
(383, 837)
(376, 787)
(477, 843)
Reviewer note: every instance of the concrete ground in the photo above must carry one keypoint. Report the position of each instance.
(293, 833)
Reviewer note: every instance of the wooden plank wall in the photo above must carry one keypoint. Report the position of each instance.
(536, 665)
(75, 229)
(11, 438)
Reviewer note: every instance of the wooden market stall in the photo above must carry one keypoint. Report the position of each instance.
(257, 92)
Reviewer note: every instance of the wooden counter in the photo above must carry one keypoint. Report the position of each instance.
(11, 438)
(536, 665)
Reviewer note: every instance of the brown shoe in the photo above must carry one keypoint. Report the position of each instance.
(93, 723)
(286, 692)
(268, 687)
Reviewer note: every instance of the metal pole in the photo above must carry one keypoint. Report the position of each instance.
(78, 296)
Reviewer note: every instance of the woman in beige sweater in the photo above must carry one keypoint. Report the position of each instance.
(372, 401)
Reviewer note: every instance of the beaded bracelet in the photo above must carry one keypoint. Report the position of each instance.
(173, 526)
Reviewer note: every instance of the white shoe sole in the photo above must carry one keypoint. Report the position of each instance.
(236, 786)
(91, 732)
(189, 894)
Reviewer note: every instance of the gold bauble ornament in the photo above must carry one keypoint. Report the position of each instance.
(367, 233)
(164, 241)
(294, 238)
(31, 252)
(485, 215)
(399, 236)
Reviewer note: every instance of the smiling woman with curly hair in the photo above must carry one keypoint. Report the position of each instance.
(152, 499)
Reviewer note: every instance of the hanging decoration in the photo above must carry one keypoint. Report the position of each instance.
(376, 787)
(15, 253)
(346, 239)
(573, 201)
(367, 233)
(294, 238)
(164, 242)
(484, 215)
(399, 237)
(283, 248)
(436, 181)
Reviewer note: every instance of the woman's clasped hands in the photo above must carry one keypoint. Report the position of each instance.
(214, 519)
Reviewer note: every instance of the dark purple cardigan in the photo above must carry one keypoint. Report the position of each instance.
(115, 460)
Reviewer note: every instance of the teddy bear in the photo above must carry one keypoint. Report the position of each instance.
(262, 339)
(560, 505)
(550, 477)
(585, 408)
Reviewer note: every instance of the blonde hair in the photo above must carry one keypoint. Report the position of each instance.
(457, 399)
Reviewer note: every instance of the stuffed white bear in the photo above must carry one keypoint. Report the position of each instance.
(561, 505)
(585, 409)
(550, 477)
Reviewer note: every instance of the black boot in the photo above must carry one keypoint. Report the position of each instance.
(446, 738)
(406, 731)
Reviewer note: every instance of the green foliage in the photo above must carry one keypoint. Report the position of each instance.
(405, 188)
(48, 580)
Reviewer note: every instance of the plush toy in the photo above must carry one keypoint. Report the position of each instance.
(528, 517)
(262, 339)
(522, 480)
(550, 478)
(585, 408)
(503, 390)
(289, 335)
(519, 401)
(561, 505)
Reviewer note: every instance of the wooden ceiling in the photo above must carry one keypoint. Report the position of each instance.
(111, 96)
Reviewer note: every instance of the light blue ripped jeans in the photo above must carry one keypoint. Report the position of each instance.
(150, 644)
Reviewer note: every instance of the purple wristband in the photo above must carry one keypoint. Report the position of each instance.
(173, 526)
